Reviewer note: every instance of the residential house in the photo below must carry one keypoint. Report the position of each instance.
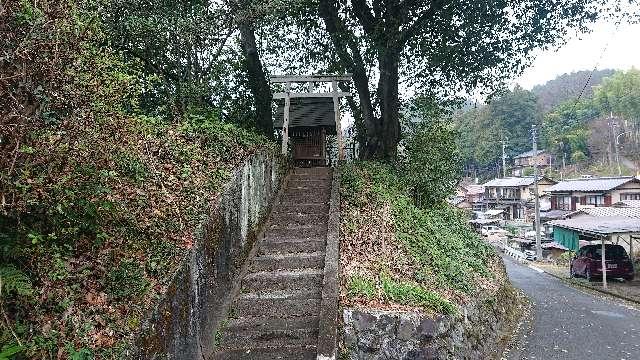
(575, 194)
(469, 196)
(527, 159)
(514, 194)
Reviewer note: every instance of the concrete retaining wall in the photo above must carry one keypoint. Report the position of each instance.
(183, 324)
(479, 331)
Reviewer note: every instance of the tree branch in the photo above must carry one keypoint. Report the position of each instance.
(421, 20)
(364, 15)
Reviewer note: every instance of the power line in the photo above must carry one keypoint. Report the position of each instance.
(606, 46)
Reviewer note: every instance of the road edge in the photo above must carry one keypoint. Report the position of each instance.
(578, 283)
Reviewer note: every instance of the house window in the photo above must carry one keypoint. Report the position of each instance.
(596, 200)
(563, 202)
(630, 196)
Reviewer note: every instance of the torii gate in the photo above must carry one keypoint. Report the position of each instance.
(310, 80)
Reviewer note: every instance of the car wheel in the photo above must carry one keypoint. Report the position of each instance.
(587, 274)
(629, 277)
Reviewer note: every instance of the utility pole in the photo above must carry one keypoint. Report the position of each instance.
(504, 159)
(617, 143)
(535, 191)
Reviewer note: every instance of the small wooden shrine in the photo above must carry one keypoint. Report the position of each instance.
(307, 117)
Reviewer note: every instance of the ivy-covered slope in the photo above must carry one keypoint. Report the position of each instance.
(99, 200)
(396, 255)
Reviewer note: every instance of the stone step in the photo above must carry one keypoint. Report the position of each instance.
(267, 338)
(288, 246)
(316, 170)
(297, 232)
(284, 308)
(284, 219)
(310, 177)
(324, 192)
(307, 198)
(267, 353)
(276, 295)
(304, 209)
(272, 323)
(308, 184)
(282, 280)
(276, 261)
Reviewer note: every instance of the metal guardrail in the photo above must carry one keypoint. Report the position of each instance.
(516, 254)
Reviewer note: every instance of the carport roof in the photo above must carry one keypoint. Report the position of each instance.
(601, 225)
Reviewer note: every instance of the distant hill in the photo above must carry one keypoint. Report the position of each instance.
(568, 86)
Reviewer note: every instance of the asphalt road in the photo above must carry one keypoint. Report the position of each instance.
(571, 324)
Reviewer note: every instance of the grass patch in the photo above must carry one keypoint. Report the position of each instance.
(444, 256)
(406, 293)
(360, 286)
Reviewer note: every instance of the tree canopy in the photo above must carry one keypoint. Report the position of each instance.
(437, 47)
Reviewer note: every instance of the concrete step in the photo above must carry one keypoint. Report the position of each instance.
(272, 323)
(284, 308)
(276, 261)
(282, 280)
(310, 177)
(268, 353)
(276, 295)
(297, 232)
(300, 232)
(268, 338)
(288, 246)
(307, 198)
(308, 184)
(316, 170)
(303, 209)
(286, 220)
(324, 192)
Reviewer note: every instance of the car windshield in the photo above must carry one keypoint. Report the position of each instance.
(611, 253)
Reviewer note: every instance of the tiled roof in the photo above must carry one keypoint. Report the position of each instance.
(529, 153)
(628, 203)
(594, 184)
(307, 112)
(554, 214)
(474, 189)
(510, 181)
(605, 211)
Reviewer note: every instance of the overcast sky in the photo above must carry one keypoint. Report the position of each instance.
(622, 52)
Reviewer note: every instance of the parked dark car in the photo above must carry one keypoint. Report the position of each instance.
(588, 262)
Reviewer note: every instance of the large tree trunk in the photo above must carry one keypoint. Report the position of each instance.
(257, 80)
(388, 131)
(351, 59)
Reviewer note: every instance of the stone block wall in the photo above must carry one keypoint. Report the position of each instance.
(480, 330)
(184, 322)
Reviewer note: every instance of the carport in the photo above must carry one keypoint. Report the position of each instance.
(604, 229)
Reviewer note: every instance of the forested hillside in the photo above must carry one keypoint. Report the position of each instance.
(568, 86)
(582, 131)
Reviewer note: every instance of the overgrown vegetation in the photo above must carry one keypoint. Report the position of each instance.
(101, 192)
(396, 253)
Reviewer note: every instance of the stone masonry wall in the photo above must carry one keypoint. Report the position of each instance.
(183, 324)
(479, 331)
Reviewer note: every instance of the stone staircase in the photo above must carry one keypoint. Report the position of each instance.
(276, 313)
